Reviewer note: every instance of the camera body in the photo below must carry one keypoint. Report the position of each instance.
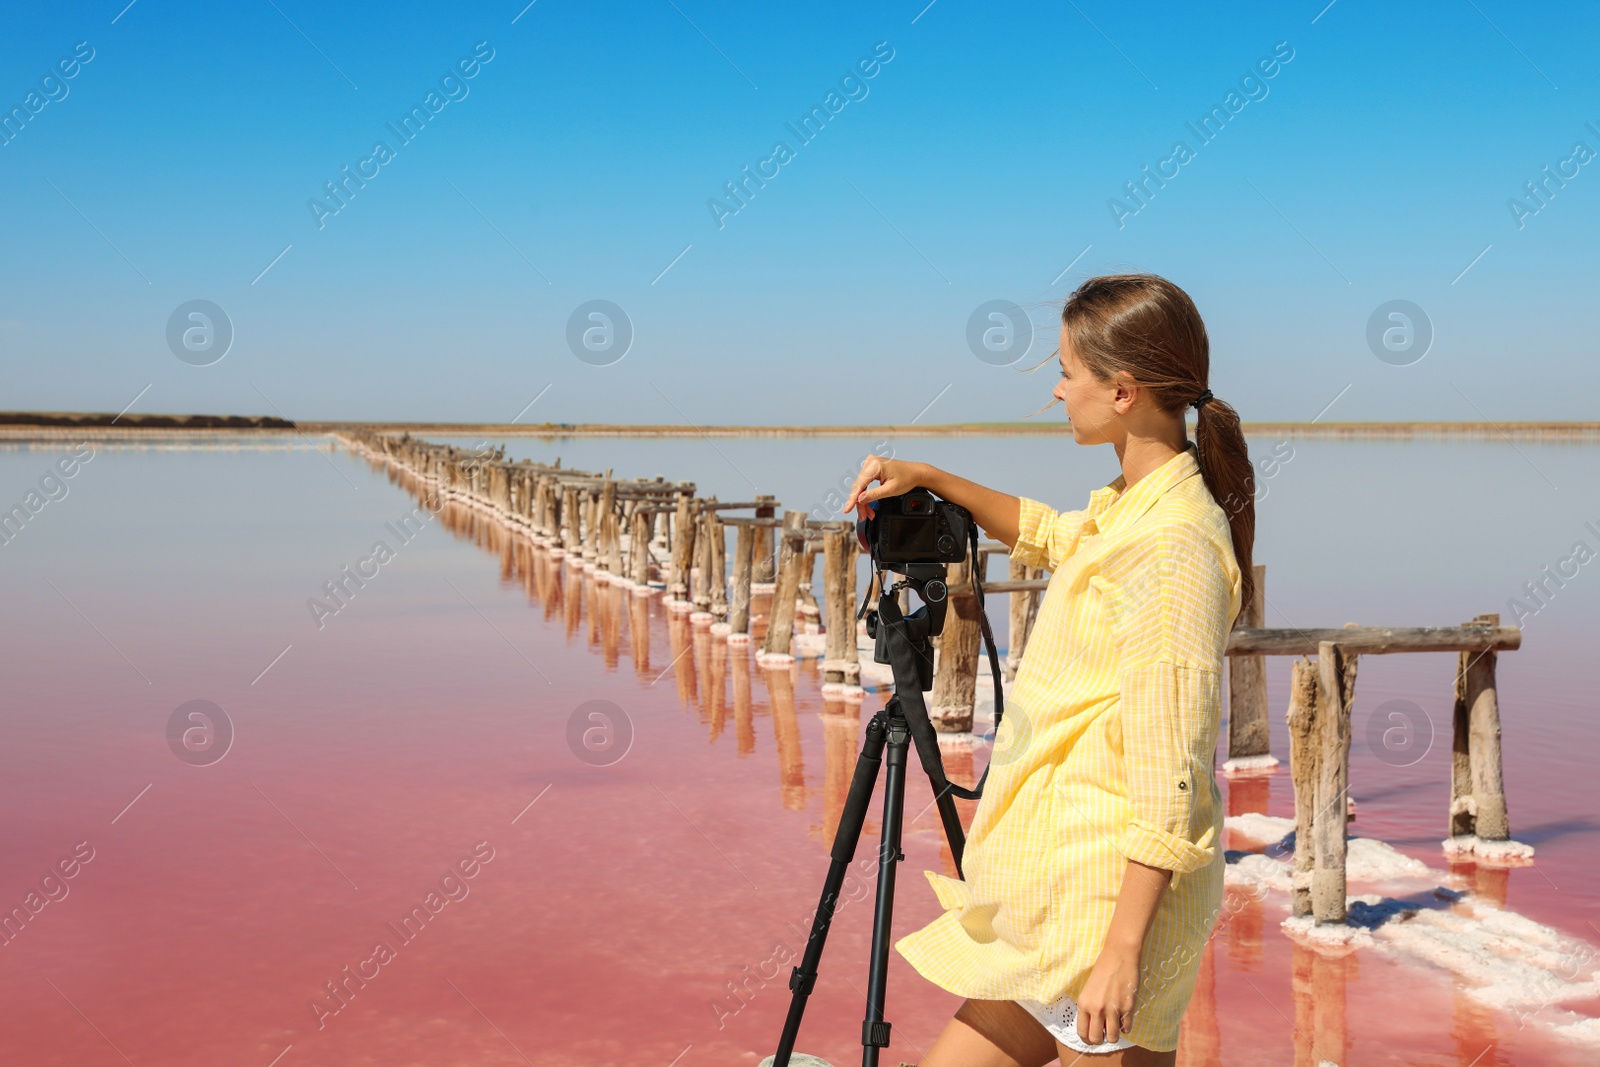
(915, 528)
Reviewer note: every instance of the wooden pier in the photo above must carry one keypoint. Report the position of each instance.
(650, 535)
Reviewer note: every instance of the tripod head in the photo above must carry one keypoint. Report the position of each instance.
(919, 627)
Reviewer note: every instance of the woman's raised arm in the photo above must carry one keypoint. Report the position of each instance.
(996, 513)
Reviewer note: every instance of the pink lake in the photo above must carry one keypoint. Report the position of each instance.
(423, 732)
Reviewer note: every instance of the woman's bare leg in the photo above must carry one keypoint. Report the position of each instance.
(991, 1033)
(1001, 1033)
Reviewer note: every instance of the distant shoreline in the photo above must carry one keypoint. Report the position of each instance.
(53, 426)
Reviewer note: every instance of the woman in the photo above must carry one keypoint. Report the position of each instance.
(1094, 868)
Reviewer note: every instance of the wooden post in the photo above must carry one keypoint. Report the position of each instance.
(591, 524)
(744, 543)
(682, 549)
(765, 558)
(1336, 679)
(544, 523)
(1303, 749)
(955, 675)
(841, 663)
(639, 546)
(1477, 786)
(569, 517)
(1024, 609)
(613, 522)
(606, 524)
(808, 599)
(717, 565)
(661, 533)
(791, 550)
(702, 558)
(500, 476)
(1248, 736)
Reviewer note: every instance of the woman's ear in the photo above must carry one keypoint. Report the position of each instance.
(1127, 393)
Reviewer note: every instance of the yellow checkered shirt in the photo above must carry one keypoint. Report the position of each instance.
(1104, 753)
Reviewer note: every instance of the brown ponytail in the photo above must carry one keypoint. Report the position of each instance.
(1148, 327)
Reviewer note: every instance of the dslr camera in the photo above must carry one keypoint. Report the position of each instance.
(915, 528)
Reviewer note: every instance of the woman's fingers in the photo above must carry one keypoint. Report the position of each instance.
(1104, 1025)
(1094, 1028)
(872, 469)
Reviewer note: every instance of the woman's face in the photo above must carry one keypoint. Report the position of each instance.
(1090, 403)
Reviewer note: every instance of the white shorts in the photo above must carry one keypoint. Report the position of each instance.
(1061, 1019)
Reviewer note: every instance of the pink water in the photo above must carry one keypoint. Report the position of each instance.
(428, 720)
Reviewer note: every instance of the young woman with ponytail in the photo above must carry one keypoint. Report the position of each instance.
(1093, 870)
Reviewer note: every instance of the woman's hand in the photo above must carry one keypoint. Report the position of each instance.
(1105, 1010)
(897, 475)
(996, 513)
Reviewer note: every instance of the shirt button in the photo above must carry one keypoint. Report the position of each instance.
(1183, 785)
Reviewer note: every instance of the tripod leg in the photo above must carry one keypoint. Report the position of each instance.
(874, 1030)
(851, 819)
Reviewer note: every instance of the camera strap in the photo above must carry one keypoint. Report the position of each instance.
(994, 662)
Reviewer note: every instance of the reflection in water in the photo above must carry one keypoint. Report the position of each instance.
(639, 634)
(1242, 917)
(682, 667)
(744, 728)
(786, 734)
(1320, 979)
(1199, 1036)
(841, 734)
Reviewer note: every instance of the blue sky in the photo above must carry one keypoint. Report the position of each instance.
(976, 164)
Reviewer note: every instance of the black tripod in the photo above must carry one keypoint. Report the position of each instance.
(904, 642)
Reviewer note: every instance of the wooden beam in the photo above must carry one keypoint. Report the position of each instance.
(1374, 640)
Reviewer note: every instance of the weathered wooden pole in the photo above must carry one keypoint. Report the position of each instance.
(525, 482)
(765, 558)
(1477, 784)
(717, 565)
(791, 550)
(1249, 743)
(639, 546)
(502, 486)
(542, 506)
(841, 663)
(610, 557)
(1304, 746)
(569, 517)
(702, 559)
(591, 525)
(955, 675)
(1336, 679)
(661, 534)
(809, 608)
(1024, 609)
(744, 544)
(682, 549)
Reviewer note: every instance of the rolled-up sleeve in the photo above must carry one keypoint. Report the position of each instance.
(1169, 731)
(1045, 536)
(1169, 598)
